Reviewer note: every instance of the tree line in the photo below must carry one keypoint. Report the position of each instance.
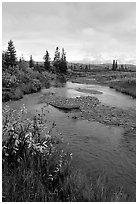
(57, 65)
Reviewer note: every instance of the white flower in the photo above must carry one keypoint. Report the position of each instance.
(28, 135)
(16, 142)
(44, 143)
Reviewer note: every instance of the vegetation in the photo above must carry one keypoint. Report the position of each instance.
(23, 80)
(60, 63)
(47, 65)
(127, 86)
(19, 78)
(37, 168)
(31, 62)
(114, 66)
(63, 63)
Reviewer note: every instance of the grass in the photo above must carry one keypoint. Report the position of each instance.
(37, 168)
(122, 81)
(127, 86)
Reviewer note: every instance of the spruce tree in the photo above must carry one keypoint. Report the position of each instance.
(113, 66)
(11, 54)
(86, 67)
(116, 65)
(5, 61)
(47, 61)
(56, 61)
(31, 62)
(63, 63)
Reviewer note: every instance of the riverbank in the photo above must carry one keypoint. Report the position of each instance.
(29, 81)
(37, 168)
(127, 86)
(81, 110)
(124, 82)
(89, 108)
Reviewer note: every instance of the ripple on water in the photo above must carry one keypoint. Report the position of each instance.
(96, 147)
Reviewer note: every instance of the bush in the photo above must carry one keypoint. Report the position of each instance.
(23, 66)
(16, 94)
(23, 80)
(9, 80)
(36, 168)
(32, 165)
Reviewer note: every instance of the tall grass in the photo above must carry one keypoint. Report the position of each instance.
(36, 167)
(126, 86)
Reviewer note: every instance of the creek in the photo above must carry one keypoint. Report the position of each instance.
(96, 148)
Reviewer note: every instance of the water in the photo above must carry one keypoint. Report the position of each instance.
(109, 97)
(96, 147)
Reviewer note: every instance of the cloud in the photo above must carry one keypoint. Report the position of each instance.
(85, 30)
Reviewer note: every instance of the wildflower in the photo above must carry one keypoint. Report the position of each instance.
(50, 177)
(71, 155)
(18, 160)
(14, 151)
(4, 147)
(30, 145)
(29, 136)
(17, 142)
(15, 148)
(44, 143)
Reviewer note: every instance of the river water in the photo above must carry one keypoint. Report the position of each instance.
(96, 148)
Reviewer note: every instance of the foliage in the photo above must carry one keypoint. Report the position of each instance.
(126, 86)
(8, 80)
(31, 62)
(63, 63)
(33, 160)
(56, 61)
(10, 56)
(22, 80)
(23, 65)
(47, 61)
(114, 65)
(60, 63)
(4, 60)
(36, 167)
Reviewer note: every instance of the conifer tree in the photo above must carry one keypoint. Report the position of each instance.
(56, 61)
(63, 63)
(5, 62)
(116, 65)
(113, 66)
(11, 54)
(47, 61)
(31, 62)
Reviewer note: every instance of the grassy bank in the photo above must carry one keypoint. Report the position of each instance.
(124, 82)
(37, 168)
(127, 86)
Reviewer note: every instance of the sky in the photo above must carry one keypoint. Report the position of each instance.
(89, 32)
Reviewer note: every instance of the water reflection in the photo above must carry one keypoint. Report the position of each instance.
(95, 147)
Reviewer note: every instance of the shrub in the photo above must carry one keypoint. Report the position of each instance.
(17, 94)
(36, 168)
(32, 165)
(23, 66)
(9, 80)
